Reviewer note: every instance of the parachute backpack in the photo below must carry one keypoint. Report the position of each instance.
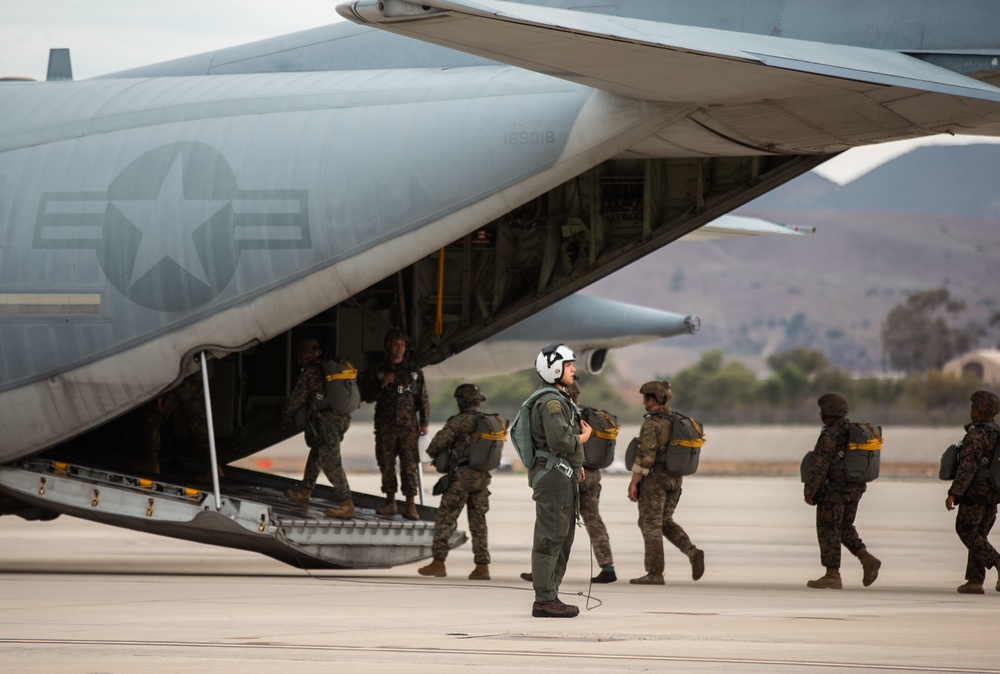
(599, 450)
(949, 462)
(681, 454)
(520, 429)
(481, 450)
(863, 456)
(340, 393)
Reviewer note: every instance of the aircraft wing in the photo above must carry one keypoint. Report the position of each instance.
(728, 226)
(652, 60)
(685, 65)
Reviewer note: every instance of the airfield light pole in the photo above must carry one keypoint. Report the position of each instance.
(211, 431)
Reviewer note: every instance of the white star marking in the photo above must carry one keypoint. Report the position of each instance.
(168, 224)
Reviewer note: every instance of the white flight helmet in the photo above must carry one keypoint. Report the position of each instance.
(549, 362)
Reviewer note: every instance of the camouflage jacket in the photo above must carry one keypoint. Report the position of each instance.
(404, 402)
(555, 427)
(977, 450)
(832, 439)
(456, 430)
(653, 434)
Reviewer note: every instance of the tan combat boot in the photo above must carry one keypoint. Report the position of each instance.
(299, 497)
(344, 512)
(389, 508)
(648, 579)
(971, 588)
(410, 511)
(435, 569)
(830, 581)
(481, 572)
(869, 566)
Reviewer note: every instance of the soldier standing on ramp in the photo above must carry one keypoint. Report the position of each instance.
(973, 491)
(467, 486)
(835, 498)
(660, 491)
(401, 411)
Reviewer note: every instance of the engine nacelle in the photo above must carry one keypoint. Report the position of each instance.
(594, 360)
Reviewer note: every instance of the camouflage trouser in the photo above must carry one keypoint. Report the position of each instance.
(392, 441)
(555, 511)
(835, 513)
(324, 454)
(468, 487)
(590, 501)
(191, 404)
(973, 525)
(658, 498)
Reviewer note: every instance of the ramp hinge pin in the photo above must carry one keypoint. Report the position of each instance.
(263, 523)
(149, 508)
(96, 499)
(41, 486)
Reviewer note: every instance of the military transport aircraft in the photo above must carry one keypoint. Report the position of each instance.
(154, 225)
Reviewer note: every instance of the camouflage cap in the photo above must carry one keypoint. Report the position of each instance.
(832, 405)
(471, 394)
(307, 347)
(573, 390)
(986, 402)
(660, 390)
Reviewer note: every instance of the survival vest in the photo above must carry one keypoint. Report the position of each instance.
(340, 393)
(520, 435)
(599, 450)
(481, 450)
(682, 452)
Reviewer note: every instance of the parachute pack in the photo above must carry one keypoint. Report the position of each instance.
(520, 434)
(860, 461)
(599, 450)
(482, 450)
(863, 456)
(951, 456)
(681, 454)
(340, 395)
(949, 462)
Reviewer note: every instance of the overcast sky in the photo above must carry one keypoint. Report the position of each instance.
(108, 35)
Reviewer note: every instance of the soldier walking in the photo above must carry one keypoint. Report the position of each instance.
(324, 432)
(974, 493)
(835, 498)
(657, 491)
(467, 486)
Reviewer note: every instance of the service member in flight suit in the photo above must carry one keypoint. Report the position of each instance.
(466, 486)
(401, 412)
(973, 492)
(325, 432)
(557, 435)
(661, 491)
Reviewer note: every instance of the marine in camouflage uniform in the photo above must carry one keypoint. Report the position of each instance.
(188, 399)
(835, 498)
(324, 432)
(590, 513)
(974, 494)
(401, 412)
(467, 486)
(657, 491)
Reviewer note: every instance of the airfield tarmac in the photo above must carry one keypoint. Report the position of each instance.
(88, 598)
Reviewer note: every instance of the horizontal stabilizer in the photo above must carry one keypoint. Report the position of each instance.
(657, 61)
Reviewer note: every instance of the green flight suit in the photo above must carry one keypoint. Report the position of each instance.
(555, 428)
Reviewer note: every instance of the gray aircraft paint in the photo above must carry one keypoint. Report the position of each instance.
(453, 165)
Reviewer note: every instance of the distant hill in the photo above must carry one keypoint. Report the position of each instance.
(928, 219)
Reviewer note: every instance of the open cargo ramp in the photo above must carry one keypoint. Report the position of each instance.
(252, 515)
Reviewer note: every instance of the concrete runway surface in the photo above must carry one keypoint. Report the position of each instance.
(88, 598)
